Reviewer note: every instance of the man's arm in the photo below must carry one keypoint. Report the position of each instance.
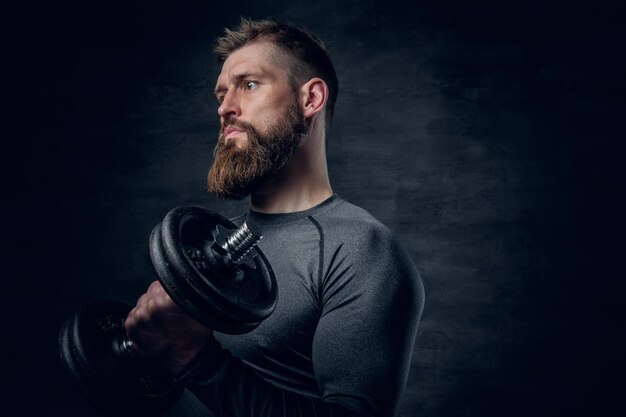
(229, 387)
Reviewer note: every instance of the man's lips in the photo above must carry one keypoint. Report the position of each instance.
(231, 131)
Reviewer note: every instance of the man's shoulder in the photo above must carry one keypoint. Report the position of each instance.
(349, 214)
(354, 228)
(360, 242)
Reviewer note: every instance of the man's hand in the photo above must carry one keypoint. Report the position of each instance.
(162, 331)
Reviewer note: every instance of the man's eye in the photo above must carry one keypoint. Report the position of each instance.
(250, 85)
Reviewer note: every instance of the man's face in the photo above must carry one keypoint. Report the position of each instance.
(261, 121)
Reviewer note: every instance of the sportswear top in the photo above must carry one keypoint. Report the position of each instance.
(340, 340)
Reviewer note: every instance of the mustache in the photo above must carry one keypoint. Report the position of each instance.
(246, 127)
(222, 146)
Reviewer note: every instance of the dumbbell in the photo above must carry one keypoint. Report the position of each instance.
(210, 268)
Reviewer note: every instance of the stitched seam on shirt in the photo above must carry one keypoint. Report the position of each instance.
(320, 270)
(300, 219)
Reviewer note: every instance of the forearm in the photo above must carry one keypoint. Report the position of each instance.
(229, 387)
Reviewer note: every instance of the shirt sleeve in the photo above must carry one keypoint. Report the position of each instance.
(229, 387)
(372, 300)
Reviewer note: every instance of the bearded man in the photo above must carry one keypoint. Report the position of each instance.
(350, 299)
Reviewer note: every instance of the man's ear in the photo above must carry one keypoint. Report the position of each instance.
(313, 97)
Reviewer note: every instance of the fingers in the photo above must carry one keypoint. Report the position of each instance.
(156, 288)
(154, 298)
(150, 307)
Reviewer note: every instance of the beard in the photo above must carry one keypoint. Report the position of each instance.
(237, 172)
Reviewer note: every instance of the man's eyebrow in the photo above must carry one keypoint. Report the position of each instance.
(220, 88)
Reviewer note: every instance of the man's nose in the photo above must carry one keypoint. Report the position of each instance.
(229, 106)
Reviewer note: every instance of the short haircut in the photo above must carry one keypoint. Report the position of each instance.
(305, 52)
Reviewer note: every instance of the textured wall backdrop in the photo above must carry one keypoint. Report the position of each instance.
(483, 133)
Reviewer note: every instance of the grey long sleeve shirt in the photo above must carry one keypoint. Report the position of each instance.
(340, 340)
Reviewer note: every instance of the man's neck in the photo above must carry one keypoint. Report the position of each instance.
(303, 183)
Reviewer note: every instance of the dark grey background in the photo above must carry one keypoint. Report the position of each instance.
(485, 134)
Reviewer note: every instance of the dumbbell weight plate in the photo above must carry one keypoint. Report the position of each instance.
(244, 297)
(227, 300)
(124, 387)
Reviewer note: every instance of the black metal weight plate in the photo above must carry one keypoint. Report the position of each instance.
(225, 299)
(114, 383)
(184, 296)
